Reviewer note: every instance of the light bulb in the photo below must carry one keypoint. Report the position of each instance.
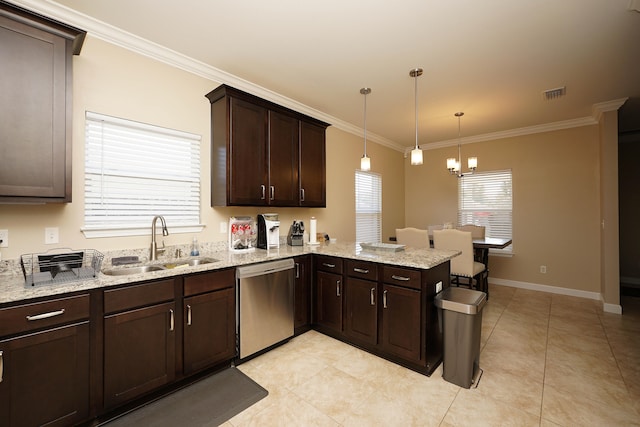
(416, 156)
(365, 163)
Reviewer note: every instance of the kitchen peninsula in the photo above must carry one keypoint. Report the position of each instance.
(173, 325)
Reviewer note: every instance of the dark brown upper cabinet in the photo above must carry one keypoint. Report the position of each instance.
(264, 154)
(35, 106)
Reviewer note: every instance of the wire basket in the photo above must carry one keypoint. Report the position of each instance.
(60, 266)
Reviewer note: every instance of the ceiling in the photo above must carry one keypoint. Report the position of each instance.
(490, 59)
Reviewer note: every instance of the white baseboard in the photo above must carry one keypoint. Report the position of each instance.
(608, 308)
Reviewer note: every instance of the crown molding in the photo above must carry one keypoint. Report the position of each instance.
(129, 41)
(603, 107)
(511, 133)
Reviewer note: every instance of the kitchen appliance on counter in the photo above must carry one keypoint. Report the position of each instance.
(268, 231)
(296, 232)
(242, 234)
(264, 305)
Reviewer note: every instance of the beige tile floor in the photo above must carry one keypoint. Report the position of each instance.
(548, 360)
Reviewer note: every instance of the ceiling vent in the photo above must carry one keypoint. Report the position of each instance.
(555, 93)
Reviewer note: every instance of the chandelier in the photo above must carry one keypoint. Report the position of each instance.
(454, 165)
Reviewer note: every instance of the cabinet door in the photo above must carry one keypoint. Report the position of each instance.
(302, 294)
(312, 165)
(361, 321)
(401, 323)
(247, 169)
(209, 329)
(44, 377)
(329, 300)
(283, 160)
(34, 144)
(139, 352)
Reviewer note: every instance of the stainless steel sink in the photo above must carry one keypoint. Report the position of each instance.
(189, 262)
(155, 267)
(133, 270)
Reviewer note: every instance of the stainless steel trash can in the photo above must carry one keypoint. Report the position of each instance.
(461, 311)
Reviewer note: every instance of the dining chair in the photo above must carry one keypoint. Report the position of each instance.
(414, 237)
(463, 266)
(477, 231)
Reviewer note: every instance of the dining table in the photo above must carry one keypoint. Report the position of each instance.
(481, 248)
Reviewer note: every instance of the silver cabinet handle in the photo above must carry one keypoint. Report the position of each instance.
(329, 265)
(384, 299)
(188, 315)
(263, 188)
(171, 320)
(302, 194)
(373, 298)
(272, 191)
(337, 288)
(1, 365)
(45, 315)
(361, 270)
(297, 270)
(401, 278)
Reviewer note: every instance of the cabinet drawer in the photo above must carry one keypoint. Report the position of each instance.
(329, 264)
(213, 281)
(362, 269)
(402, 277)
(138, 295)
(29, 317)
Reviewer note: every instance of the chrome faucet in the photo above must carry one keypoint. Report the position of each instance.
(154, 248)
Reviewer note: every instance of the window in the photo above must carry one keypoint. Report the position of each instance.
(368, 207)
(134, 171)
(485, 198)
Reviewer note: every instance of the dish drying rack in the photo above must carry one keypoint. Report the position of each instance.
(56, 267)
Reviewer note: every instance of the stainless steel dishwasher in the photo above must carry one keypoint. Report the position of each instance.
(265, 305)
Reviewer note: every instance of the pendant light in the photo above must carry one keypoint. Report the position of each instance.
(365, 161)
(455, 165)
(416, 153)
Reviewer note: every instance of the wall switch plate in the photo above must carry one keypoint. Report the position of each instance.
(438, 287)
(224, 227)
(543, 269)
(4, 236)
(51, 235)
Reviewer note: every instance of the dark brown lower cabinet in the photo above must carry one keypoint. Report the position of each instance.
(329, 300)
(139, 352)
(387, 310)
(209, 335)
(44, 377)
(302, 294)
(139, 340)
(401, 325)
(361, 323)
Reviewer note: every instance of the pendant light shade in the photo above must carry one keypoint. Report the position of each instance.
(365, 161)
(416, 153)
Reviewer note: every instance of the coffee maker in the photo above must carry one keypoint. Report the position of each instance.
(296, 231)
(268, 231)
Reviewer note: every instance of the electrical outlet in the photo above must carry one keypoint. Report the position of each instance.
(51, 235)
(4, 236)
(543, 269)
(224, 227)
(438, 287)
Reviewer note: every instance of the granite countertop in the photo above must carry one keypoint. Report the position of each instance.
(13, 287)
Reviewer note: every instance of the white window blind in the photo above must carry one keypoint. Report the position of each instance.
(134, 171)
(486, 198)
(368, 207)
